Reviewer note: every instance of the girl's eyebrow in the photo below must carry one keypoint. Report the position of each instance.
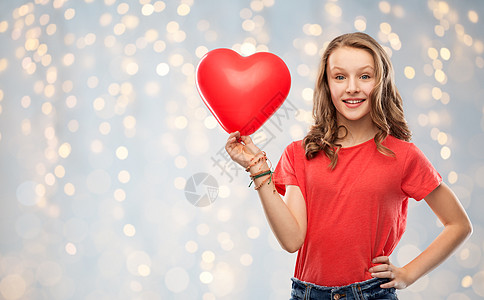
(342, 69)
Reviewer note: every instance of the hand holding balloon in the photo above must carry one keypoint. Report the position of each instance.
(242, 93)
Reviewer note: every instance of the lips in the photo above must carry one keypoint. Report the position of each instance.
(353, 103)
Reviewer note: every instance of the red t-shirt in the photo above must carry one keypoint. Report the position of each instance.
(357, 211)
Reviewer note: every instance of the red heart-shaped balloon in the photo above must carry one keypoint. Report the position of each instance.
(242, 92)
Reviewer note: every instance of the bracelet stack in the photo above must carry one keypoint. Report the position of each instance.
(254, 161)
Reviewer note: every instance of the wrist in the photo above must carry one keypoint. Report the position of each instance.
(256, 162)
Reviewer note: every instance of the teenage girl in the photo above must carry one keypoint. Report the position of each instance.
(346, 185)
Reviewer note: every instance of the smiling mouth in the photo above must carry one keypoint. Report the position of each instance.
(354, 101)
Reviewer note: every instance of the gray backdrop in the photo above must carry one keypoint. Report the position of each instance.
(114, 183)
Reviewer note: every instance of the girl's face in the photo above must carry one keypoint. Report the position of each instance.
(351, 79)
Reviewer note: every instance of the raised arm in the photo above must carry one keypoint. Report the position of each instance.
(286, 217)
(457, 227)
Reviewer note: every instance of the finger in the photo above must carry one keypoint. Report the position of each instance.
(380, 268)
(381, 260)
(386, 274)
(389, 285)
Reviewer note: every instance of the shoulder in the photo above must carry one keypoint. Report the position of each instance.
(397, 145)
(296, 147)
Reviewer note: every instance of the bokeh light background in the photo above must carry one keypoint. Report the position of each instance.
(101, 127)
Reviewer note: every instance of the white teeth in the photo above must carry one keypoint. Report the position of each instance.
(353, 101)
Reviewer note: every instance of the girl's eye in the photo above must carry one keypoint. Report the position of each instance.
(365, 77)
(340, 77)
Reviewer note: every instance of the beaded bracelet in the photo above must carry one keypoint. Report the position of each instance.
(259, 174)
(255, 160)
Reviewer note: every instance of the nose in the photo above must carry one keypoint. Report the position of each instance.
(352, 86)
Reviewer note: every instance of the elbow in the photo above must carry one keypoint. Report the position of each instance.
(293, 247)
(468, 229)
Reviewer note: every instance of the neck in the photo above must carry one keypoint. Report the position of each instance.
(358, 131)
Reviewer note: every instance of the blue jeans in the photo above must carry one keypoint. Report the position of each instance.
(366, 290)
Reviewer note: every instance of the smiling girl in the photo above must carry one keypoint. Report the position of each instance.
(346, 185)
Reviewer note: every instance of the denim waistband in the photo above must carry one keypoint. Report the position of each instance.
(360, 290)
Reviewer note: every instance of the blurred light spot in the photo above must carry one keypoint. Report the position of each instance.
(247, 49)
(246, 259)
(129, 230)
(3, 64)
(466, 281)
(191, 246)
(26, 126)
(478, 283)
(432, 53)
(124, 176)
(181, 122)
(384, 7)
(203, 229)
(442, 138)
(436, 93)
(137, 259)
(49, 179)
(310, 48)
(248, 25)
(13, 287)
(69, 189)
(73, 125)
(92, 82)
(97, 146)
(159, 46)
(210, 122)
(71, 101)
(105, 19)
(409, 72)
(147, 9)
(208, 256)
(307, 94)
(159, 6)
(445, 53)
(123, 8)
(473, 16)
(104, 128)
(3, 26)
(119, 195)
(129, 122)
(132, 68)
(183, 9)
(69, 14)
(122, 153)
(333, 9)
(224, 214)
(206, 277)
(59, 171)
(162, 69)
(179, 183)
(360, 23)
(253, 232)
(70, 249)
(452, 177)
(64, 150)
(176, 279)
(440, 76)
(144, 270)
(256, 5)
(445, 152)
(385, 28)
(98, 104)
(180, 162)
(119, 29)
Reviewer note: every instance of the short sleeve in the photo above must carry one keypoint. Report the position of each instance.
(285, 174)
(419, 176)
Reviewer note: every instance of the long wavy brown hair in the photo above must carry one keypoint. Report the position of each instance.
(386, 108)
